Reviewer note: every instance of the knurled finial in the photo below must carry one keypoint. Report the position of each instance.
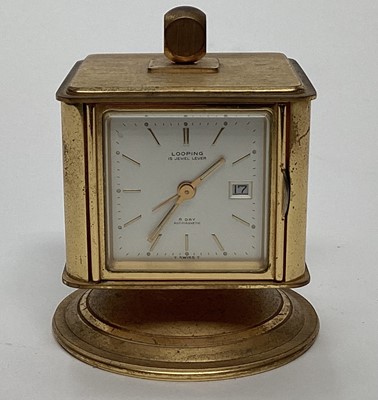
(185, 34)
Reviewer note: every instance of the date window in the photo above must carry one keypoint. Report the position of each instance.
(240, 190)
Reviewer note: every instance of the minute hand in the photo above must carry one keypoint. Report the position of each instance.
(196, 182)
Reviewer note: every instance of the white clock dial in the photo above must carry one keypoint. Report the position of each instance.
(187, 186)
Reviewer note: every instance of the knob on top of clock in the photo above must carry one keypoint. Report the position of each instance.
(185, 34)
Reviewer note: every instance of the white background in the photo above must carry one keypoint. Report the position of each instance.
(336, 44)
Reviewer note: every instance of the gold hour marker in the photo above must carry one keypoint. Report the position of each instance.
(186, 135)
(132, 220)
(241, 158)
(216, 138)
(154, 136)
(186, 242)
(240, 220)
(131, 190)
(155, 242)
(131, 159)
(217, 241)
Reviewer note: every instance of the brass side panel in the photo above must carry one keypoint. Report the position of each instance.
(93, 210)
(75, 192)
(298, 172)
(279, 190)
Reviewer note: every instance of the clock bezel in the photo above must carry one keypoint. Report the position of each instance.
(185, 270)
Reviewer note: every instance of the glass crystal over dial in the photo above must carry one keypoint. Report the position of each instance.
(187, 186)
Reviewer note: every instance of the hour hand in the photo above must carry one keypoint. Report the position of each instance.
(174, 197)
(153, 235)
(185, 191)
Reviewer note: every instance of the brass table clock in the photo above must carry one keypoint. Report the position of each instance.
(185, 184)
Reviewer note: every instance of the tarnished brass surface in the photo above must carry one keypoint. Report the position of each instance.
(92, 190)
(280, 153)
(186, 335)
(184, 34)
(242, 77)
(75, 194)
(298, 149)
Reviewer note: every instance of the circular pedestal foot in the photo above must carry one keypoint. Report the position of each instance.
(186, 334)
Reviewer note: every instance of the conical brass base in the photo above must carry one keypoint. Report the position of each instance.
(186, 334)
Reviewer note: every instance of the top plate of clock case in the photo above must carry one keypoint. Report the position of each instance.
(239, 77)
